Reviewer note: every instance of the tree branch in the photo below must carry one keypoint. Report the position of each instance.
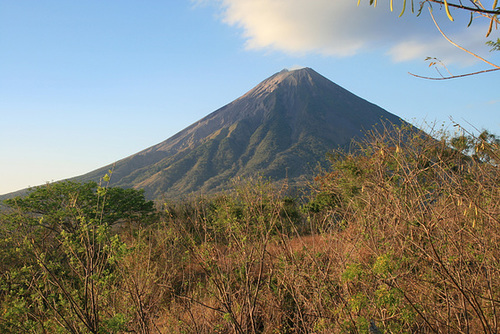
(495, 67)
(458, 46)
(471, 9)
(455, 76)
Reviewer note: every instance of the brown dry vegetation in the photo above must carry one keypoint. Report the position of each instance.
(401, 236)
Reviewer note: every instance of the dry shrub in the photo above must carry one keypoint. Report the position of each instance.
(401, 236)
(422, 234)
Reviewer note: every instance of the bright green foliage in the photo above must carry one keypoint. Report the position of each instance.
(495, 45)
(59, 205)
(60, 261)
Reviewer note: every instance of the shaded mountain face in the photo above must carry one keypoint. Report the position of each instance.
(280, 129)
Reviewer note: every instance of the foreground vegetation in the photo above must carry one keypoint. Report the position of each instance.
(400, 236)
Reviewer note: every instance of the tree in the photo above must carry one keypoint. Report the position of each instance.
(476, 9)
(58, 206)
(62, 265)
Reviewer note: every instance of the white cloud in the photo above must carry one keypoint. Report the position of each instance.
(341, 28)
(296, 67)
(424, 46)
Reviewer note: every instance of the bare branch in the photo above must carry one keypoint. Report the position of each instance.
(495, 67)
(455, 76)
(458, 46)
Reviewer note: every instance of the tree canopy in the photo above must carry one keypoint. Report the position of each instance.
(59, 205)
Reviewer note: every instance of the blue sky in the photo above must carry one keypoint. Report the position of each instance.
(85, 83)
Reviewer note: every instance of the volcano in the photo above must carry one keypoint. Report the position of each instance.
(281, 129)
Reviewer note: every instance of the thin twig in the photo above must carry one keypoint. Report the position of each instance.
(458, 46)
(454, 76)
(495, 67)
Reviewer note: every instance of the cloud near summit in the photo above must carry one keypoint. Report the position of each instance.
(341, 28)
